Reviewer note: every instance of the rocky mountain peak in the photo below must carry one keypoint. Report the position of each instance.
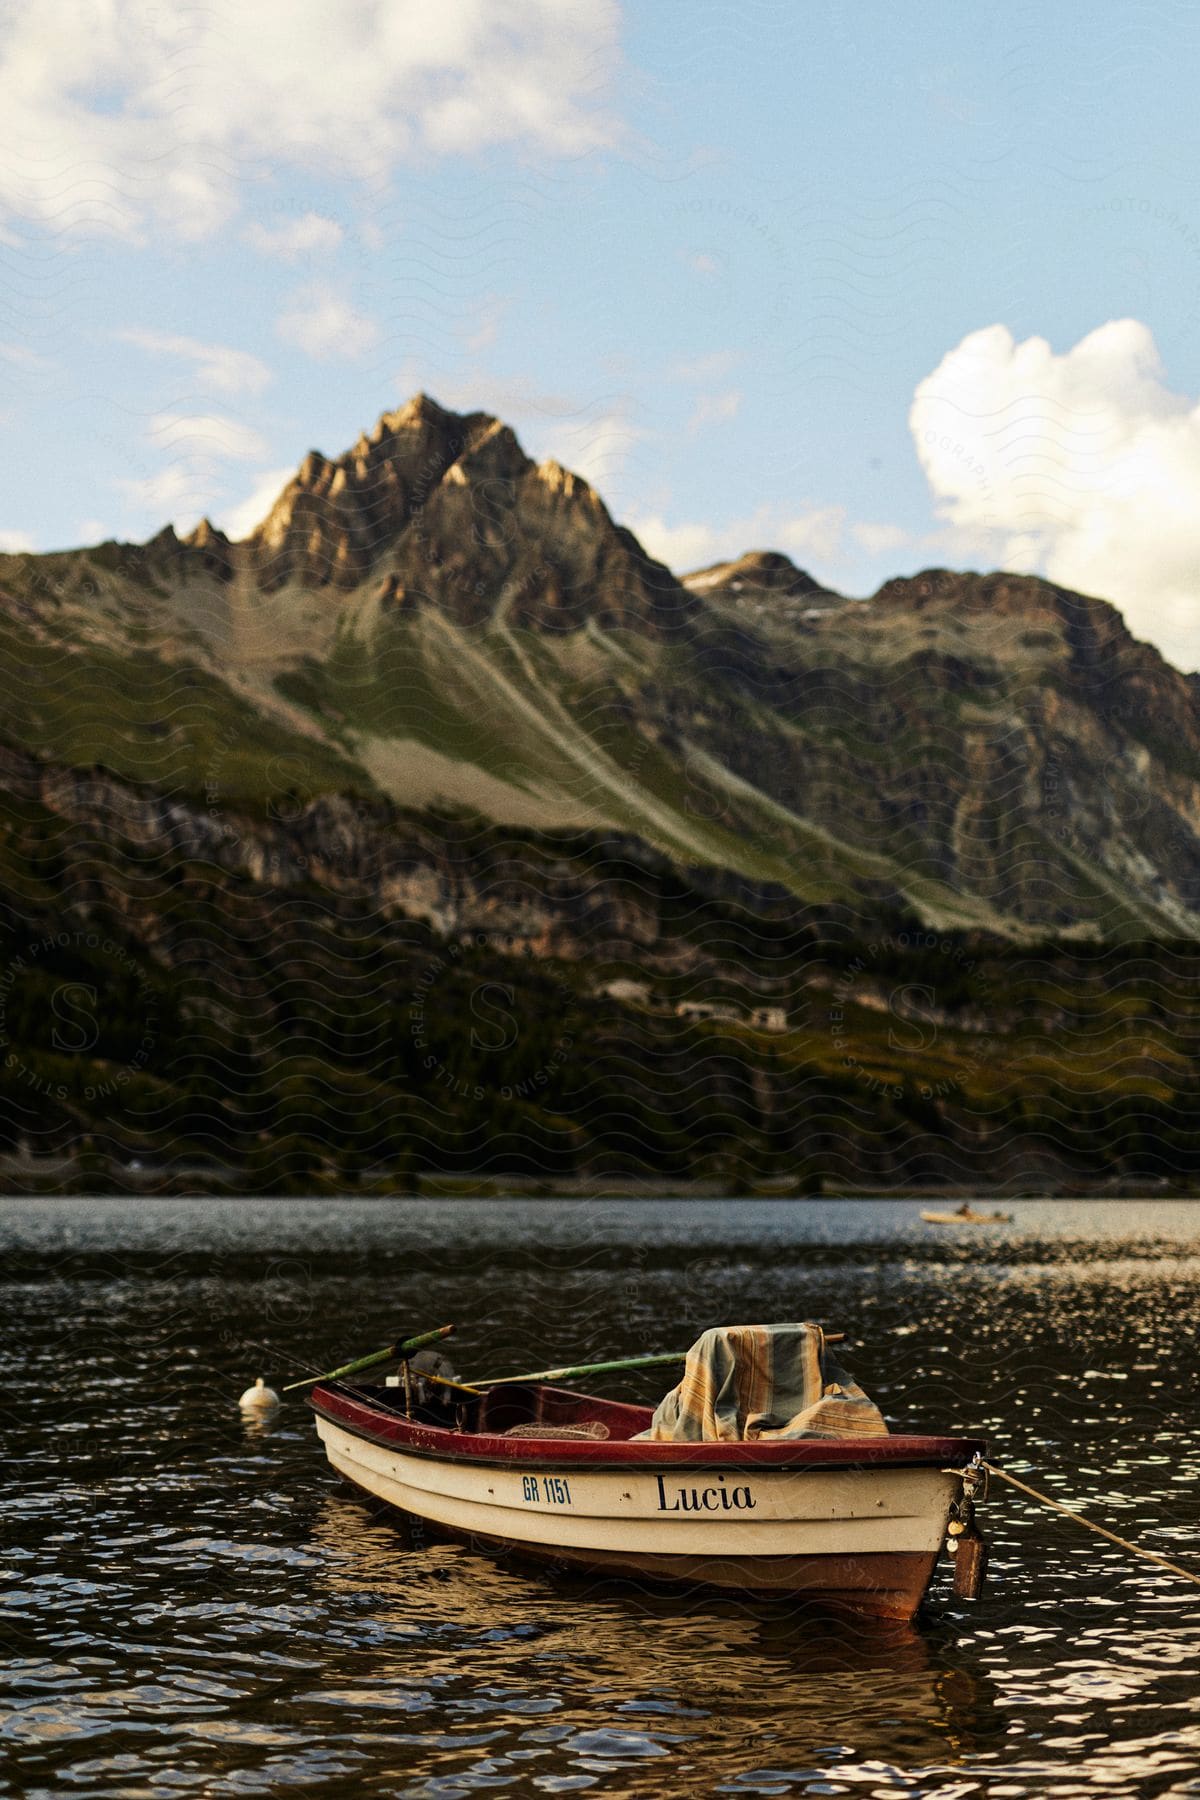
(1090, 631)
(418, 411)
(212, 547)
(1079, 653)
(755, 574)
(337, 515)
(446, 508)
(206, 536)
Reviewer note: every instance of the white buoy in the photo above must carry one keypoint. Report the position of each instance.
(259, 1398)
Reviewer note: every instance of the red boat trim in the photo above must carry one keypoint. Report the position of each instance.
(378, 1426)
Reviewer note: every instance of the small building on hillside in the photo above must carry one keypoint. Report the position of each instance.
(629, 993)
(769, 1018)
(708, 1009)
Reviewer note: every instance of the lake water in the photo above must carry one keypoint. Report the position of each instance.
(196, 1607)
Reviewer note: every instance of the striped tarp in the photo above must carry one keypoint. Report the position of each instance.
(764, 1381)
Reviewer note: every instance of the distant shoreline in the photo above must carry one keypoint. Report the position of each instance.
(156, 1185)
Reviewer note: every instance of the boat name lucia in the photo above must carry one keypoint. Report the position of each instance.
(709, 1499)
(859, 1523)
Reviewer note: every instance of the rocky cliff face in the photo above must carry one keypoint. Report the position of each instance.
(571, 896)
(995, 734)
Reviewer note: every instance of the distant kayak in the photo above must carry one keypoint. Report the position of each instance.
(970, 1217)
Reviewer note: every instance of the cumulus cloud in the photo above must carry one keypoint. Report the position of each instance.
(714, 409)
(596, 444)
(324, 324)
(1083, 465)
(239, 521)
(212, 365)
(116, 116)
(685, 546)
(198, 446)
(181, 493)
(877, 539)
(488, 317)
(592, 435)
(816, 533)
(210, 436)
(713, 365)
(309, 234)
(14, 543)
(20, 356)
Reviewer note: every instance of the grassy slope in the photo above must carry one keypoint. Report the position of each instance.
(299, 1040)
(213, 689)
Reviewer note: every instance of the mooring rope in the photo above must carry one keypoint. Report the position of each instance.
(1136, 1549)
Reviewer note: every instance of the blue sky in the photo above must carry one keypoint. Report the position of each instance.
(882, 287)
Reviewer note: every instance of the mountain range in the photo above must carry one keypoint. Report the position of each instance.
(435, 831)
(432, 621)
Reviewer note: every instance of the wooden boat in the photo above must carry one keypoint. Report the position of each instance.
(556, 1475)
(967, 1218)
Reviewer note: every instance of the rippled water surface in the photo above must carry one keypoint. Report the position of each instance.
(195, 1606)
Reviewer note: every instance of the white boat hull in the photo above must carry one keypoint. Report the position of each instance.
(869, 1532)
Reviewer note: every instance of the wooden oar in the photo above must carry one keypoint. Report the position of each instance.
(605, 1368)
(600, 1368)
(392, 1352)
(460, 1387)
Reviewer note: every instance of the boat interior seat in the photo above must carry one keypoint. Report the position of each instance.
(427, 1411)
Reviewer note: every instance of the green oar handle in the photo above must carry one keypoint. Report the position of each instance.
(392, 1352)
(605, 1368)
(600, 1368)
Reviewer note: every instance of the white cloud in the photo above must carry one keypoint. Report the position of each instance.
(594, 438)
(239, 521)
(324, 324)
(489, 316)
(817, 533)
(117, 116)
(714, 409)
(714, 365)
(307, 235)
(198, 445)
(686, 546)
(181, 492)
(213, 365)
(1083, 465)
(596, 444)
(877, 539)
(515, 399)
(209, 437)
(19, 356)
(15, 543)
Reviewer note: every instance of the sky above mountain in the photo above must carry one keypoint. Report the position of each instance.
(880, 287)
